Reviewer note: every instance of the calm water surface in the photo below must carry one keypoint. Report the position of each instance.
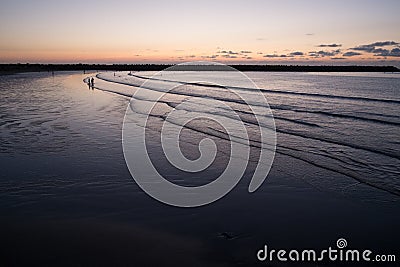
(67, 197)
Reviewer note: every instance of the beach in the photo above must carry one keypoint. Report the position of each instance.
(67, 196)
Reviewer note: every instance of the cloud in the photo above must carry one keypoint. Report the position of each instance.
(274, 55)
(395, 52)
(309, 34)
(212, 56)
(321, 53)
(329, 45)
(365, 48)
(229, 56)
(351, 54)
(371, 48)
(292, 54)
(337, 58)
(261, 39)
(296, 54)
(386, 43)
(230, 52)
(245, 52)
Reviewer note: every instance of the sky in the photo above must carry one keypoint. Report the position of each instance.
(169, 31)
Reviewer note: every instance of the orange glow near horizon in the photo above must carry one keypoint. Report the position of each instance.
(109, 57)
(154, 31)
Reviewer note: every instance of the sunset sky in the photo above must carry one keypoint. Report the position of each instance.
(51, 31)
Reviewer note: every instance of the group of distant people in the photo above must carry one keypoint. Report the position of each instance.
(91, 83)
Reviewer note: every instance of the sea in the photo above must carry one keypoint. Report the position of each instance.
(313, 157)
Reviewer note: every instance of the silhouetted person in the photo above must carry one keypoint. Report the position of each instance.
(92, 82)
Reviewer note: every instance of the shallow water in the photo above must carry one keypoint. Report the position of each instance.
(65, 190)
(346, 124)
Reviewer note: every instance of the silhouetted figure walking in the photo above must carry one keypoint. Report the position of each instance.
(92, 82)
